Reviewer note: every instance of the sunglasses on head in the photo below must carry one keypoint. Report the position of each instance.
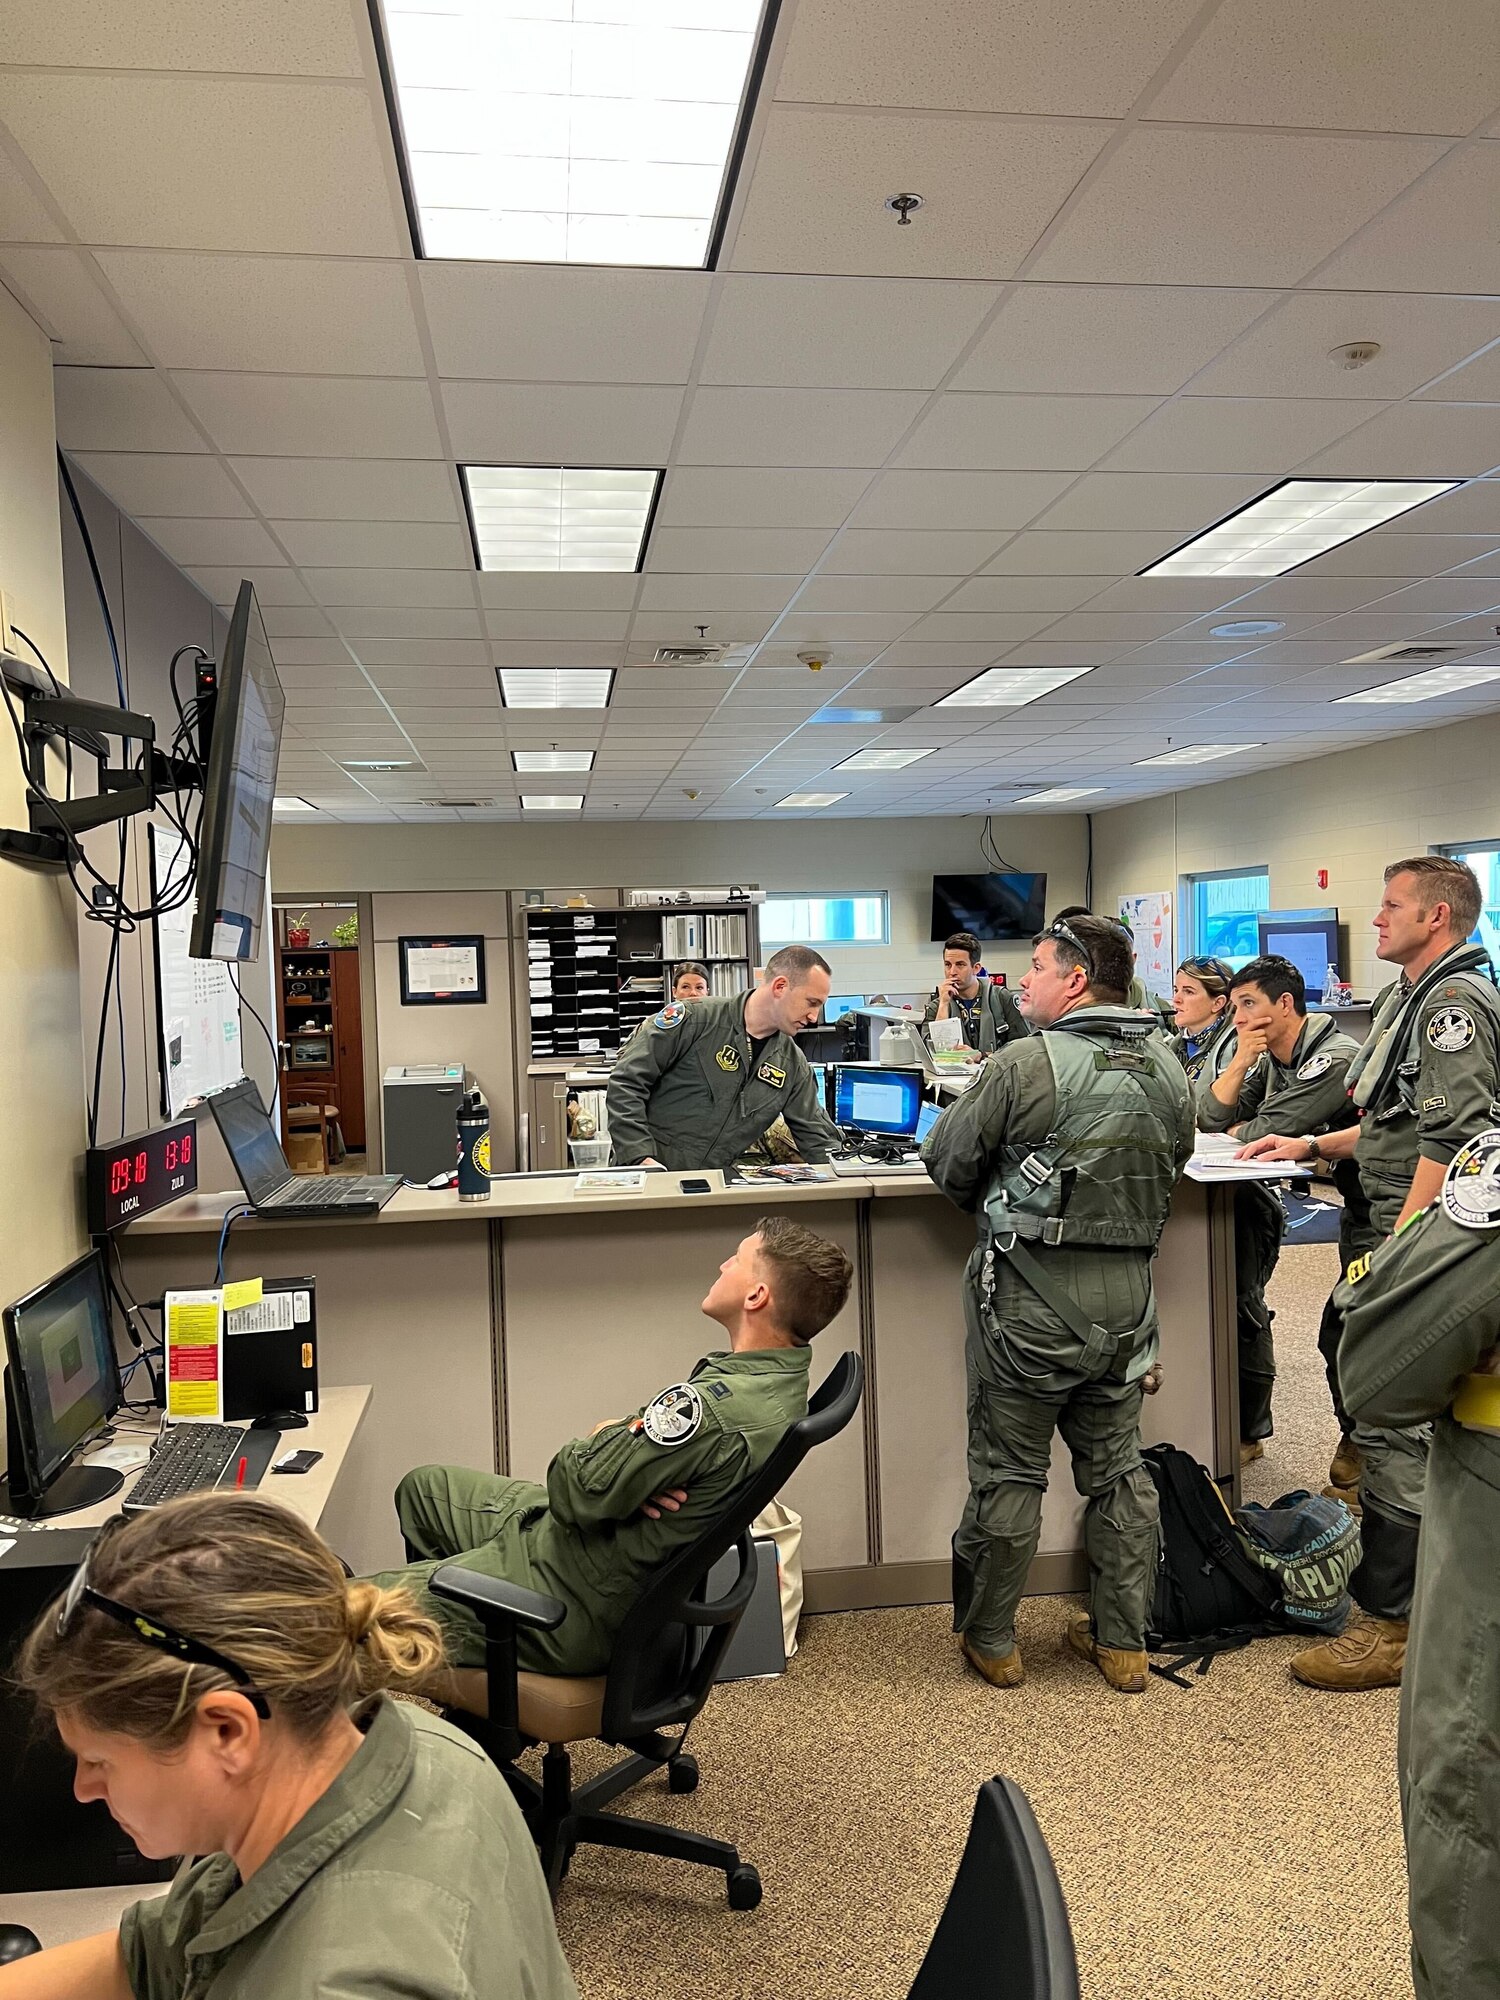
(1058, 929)
(151, 1632)
(1211, 968)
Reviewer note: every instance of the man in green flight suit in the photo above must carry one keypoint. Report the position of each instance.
(619, 1502)
(1285, 1073)
(987, 1014)
(698, 1085)
(1420, 1344)
(1427, 1078)
(1069, 1146)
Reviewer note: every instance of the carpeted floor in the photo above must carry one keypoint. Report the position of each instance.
(1240, 1839)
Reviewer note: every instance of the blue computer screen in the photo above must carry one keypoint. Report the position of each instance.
(877, 1100)
(927, 1117)
(837, 1005)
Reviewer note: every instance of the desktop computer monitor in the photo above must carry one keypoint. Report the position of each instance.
(62, 1386)
(837, 1005)
(927, 1117)
(887, 1101)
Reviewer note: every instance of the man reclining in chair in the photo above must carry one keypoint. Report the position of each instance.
(637, 1489)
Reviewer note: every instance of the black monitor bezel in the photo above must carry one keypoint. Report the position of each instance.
(213, 829)
(19, 1410)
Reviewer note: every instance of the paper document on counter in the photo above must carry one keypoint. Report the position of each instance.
(1214, 1159)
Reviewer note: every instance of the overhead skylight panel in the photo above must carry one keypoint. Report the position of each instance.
(570, 131)
(1294, 522)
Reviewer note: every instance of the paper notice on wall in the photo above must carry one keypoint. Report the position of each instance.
(194, 1327)
(1150, 921)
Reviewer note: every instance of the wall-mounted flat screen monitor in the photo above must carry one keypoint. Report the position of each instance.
(995, 908)
(234, 838)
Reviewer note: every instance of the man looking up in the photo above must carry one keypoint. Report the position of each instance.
(986, 1013)
(1426, 1080)
(636, 1489)
(698, 1085)
(1068, 1146)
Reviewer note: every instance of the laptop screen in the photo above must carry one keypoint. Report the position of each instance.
(253, 1146)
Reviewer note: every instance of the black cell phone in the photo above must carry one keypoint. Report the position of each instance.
(296, 1461)
(697, 1187)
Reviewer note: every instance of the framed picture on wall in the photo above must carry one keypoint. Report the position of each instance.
(442, 971)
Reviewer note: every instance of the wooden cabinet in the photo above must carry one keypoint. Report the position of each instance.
(317, 999)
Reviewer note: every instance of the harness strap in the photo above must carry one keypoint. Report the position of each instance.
(1101, 1348)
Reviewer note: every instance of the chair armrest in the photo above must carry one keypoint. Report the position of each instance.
(487, 1596)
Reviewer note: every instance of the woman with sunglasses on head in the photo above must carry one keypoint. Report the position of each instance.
(221, 1684)
(1204, 1041)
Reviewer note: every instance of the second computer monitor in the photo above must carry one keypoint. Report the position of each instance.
(837, 1005)
(887, 1101)
(62, 1386)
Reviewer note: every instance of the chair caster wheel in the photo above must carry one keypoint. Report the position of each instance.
(682, 1774)
(744, 1887)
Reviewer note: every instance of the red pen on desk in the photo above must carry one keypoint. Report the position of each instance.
(239, 1477)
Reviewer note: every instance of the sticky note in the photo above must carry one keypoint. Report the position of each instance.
(247, 1292)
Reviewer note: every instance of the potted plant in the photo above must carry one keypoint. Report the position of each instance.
(298, 934)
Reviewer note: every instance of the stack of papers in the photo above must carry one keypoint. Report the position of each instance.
(1214, 1160)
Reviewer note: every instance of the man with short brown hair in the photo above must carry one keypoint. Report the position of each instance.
(987, 1015)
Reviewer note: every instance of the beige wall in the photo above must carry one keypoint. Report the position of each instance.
(898, 855)
(1351, 814)
(41, 1096)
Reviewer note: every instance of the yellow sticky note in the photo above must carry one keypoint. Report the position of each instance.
(246, 1293)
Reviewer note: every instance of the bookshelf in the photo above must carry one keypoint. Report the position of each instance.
(317, 1004)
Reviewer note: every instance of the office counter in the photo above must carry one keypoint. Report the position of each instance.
(495, 1331)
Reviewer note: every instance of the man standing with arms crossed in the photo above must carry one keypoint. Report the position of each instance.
(1427, 1079)
(1069, 1146)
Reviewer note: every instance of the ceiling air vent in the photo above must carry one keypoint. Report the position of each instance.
(1421, 654)
(690, 656)
(454, 805)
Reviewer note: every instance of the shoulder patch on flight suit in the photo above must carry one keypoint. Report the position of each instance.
(1451, 1029)
(769, 1073)
(719, 1389)
(1471, 1186)
(674, 1416)
(728, 1058)
(1439, 1103)
(1314, 1066)
(670, 1016)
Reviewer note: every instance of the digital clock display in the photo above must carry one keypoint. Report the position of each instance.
(134, 1176)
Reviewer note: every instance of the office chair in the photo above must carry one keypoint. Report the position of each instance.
(1004, 1930)
(661, 1669)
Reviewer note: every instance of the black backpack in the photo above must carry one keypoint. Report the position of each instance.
(1210, 1596)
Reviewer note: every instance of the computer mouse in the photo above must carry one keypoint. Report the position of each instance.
(280, 1420)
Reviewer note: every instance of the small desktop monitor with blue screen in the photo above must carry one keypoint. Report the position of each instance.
(887, 1101)
(927, 1117)
(837, 1005)
(1309, 938)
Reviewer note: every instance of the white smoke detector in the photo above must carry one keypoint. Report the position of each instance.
(1354, 353)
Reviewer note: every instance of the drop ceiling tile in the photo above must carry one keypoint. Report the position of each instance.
(1288, 353)
(1034, 433)
(667, 592)
(327, 653)
(349, 489)
(1226, 208)
(272, 586)
(1479, 380)
(23, 214)
(324, 416)
(964, 501)
(956, 163)
(841, 333)
(543, 653)
(559, 590)
(1051, 594)
(795, 426)
(293, 315)
(166, 483)
(294, 621)
(1080, 553)
(1472, 510)
(1438, 238)
(1276, 62)
(195, 543)
(1106, 339)
(297, 38)
(120, 409)
(873, 593)
(1260, 435)
(1418, 441)
(198, 163)
(736, 551)
(525, 423)
(1126, 500)
(403, 656)
(726, 627)
(586, 625)
(855, 630)
(919, 552)
(999, 628)
(377, 544)
(920, 666)
(1305, 591)
(747, 496)
(412, 588)
(1401, 555)
(1449, 596)
(59, 291)
(539, 323)
(400, 622)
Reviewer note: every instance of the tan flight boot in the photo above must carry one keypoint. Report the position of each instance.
(1368, 1653)
(1348, 1494)
(1346, 1464)
(1001, 1670)
(1125, 1671)
(1250, 1450)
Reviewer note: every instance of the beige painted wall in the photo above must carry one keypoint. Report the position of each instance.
(1351, 813)
(41, 1095)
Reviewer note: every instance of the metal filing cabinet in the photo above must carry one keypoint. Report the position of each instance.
(419, 1106)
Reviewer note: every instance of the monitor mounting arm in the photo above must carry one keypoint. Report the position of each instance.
(85, 726)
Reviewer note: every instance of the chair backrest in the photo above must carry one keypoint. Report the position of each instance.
(661, 1668)
(1004, 1932)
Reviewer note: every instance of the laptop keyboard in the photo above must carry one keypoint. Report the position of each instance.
(331, 1192)
(189, 1458)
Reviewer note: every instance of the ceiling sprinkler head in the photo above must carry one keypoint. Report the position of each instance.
(1354, 353)
(904, 206)
(814, 662)
(688, 793)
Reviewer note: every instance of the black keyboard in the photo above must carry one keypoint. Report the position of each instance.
(189, 1458)
(331, 1191)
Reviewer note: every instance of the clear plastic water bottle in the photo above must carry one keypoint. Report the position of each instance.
(1333, 988)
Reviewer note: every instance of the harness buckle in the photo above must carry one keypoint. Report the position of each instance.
(1037, 1170)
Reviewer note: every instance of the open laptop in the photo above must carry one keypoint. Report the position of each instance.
(268, 1181)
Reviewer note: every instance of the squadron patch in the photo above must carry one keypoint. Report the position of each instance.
(1357, 1269)
(1451, 1029)
(1471, 1186)
(1314, 1066)
(670, 1016)
(673, 1416)
(728, 1058)
(769, 1073)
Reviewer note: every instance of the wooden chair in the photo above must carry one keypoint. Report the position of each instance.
(307, 1117)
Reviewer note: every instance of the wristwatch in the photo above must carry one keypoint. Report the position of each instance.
(1314, 1151)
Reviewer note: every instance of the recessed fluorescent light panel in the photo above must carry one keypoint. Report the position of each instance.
(552, 802)
(1200, 753)
(548, 133)
(1010, 687)
(552, 760)
(556, 687)
(881, 760)
(292, 806)
(1453, 679)
(559, 517)
(809, 801)
(1294, 522)
(1061, 795)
